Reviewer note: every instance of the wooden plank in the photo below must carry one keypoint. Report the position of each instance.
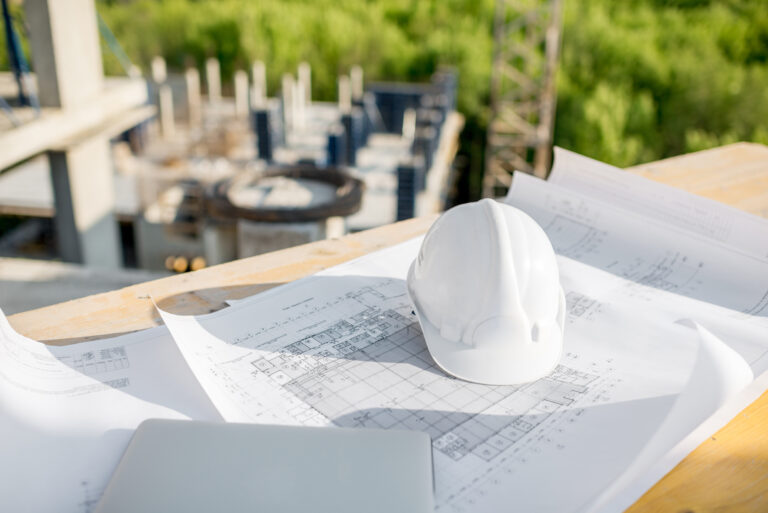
(736, 174)
(728, 472)
(131, 308)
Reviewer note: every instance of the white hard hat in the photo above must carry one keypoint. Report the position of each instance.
(486, 290)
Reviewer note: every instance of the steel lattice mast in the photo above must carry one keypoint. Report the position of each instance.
(523, 94)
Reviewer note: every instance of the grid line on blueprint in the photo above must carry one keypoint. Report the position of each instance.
(373, 369)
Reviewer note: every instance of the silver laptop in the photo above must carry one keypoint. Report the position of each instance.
(187, 466)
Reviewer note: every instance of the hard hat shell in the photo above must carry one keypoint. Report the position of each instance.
(486, 290)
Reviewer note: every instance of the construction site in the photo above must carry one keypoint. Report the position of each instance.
(172, 171)
(248, 173)
(163, 171)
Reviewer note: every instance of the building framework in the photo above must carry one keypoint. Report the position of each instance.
(523, 94)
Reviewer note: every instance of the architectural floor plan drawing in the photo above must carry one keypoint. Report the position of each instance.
(344, 348)
(334, 371)
(668, 270)
(70, 411)
(676, 257)
(348, 351)
(98, 362)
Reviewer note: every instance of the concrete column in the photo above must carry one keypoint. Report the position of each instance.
(409, 176)
(345, 98)
(219, 241)
(353, 122)
(337, 152)
(159, 71)
(213, 80)
(259, 91)
(299, 106)
(194, 107)
(241, 94)
(305, 81)
(264, 137)
(356, 79)
(65, 47)
(258, 100)
(83, 187)
(165, 102)
(409, 124)
(287, 93)
(66, 52)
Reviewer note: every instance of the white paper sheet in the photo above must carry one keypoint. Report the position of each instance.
(718, 376)
(715, 222)
(67, 413)
(384, 262)
(653, 235)
(344, 348)
(646, 251)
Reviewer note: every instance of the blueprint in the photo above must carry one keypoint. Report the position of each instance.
(718, 376)
(344, 348)
(671, 207)
(645, 251)
(67, 413)
(660, 238)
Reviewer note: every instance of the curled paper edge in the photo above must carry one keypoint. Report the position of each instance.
(719, 373)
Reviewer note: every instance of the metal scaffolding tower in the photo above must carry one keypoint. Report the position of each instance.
(523, 95)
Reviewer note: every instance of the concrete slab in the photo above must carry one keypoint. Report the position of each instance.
(57, 127)
(26, 191)
(29, 284)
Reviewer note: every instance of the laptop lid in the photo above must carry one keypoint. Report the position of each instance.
(173, 465)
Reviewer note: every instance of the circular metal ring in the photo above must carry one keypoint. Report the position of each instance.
(349, 194)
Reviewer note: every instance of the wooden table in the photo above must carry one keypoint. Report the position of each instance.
(728, 472)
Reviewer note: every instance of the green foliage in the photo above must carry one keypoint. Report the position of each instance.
(391, 40)
(639, 79)
(643, 80)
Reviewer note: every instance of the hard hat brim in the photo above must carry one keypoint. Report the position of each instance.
(498, 365)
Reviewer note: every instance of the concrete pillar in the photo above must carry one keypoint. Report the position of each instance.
(264, 137)
(356, 79)
(337, 152)
(303, 94)
(305, 81)
(258, 99)
(287, 96)
(194, 102)
(353, 123)
(66, 52)
(345, 98)
(409, 124)
(259, 90)
(219, 241)
(241, 94)
(374, 123)
(213, 80)
(165, 103)
(299, 106)
(83, 187)
(159, 71)
(409, 176)
(65, 47)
